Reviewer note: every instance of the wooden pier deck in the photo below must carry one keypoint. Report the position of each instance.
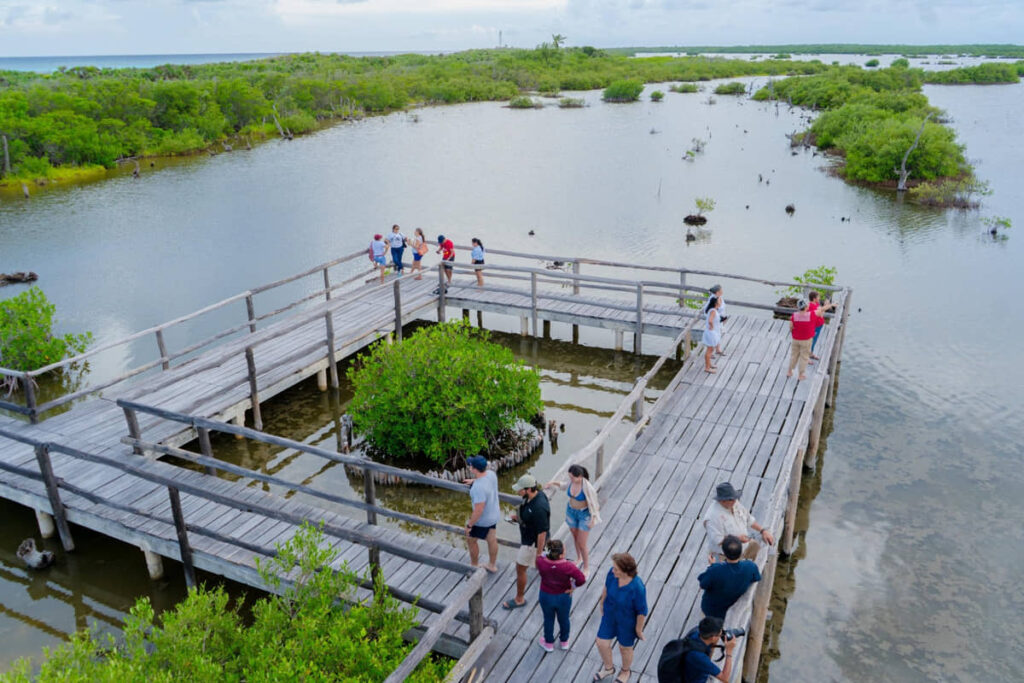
(748, 424)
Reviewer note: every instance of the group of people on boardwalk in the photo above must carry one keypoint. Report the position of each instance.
(396, 242)
(729, 528)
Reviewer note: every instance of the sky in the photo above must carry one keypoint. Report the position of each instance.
(95, 27)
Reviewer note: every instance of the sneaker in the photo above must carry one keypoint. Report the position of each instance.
(564, 645)
(545, 645)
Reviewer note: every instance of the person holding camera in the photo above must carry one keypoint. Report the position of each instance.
(725, 582)
(688, 660)
(817, 309)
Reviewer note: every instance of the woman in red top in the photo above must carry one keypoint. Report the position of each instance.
(818, 313)
(557, 579)
(801, 325)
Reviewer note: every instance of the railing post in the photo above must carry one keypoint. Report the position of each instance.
(441, 294)
(638, 408)
(133, 428)
(599, 462)
(332, 366)
(205, 447)
(30, 397)
(254, 394)
(53, 493)
(375, 561)
(327, 285)
(682, 288)
(370, 495)
(638, 335)
(575, 282)
(165, 364)
(179, 525)
(687, 339)
(398, 310)
(533, 301)
(476, 615)
(250, 309)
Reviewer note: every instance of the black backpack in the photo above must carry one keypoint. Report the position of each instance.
(672, 663)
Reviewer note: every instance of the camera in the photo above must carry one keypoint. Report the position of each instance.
(730, 633)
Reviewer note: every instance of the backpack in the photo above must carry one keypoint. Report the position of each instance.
(672, 663)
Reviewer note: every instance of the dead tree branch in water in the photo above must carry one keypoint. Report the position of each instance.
(904, 173)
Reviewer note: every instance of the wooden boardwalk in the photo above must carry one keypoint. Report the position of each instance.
(748, 424)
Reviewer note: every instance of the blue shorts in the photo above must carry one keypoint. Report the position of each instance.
(417, 256)
(481, 531)
(380, 260)
(612, 627)
(577, 519)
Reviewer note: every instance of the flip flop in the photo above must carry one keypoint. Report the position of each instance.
(603, 674)
(512, 604)
(491, 571)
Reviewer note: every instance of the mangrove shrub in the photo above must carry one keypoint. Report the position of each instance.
(445, 391)
(623, 91)
(734, 88)
(302, 633)
(27, 341)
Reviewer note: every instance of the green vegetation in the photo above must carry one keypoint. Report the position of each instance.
(299, 634)
(685, 87)
(623, 91)
(822, 275)
(871, 63)
(871, 119)
(85, 119)
(995, 224)
(444, 392)
(571, 103)
(734, 88)
(900, 63)
(657, 96)
(704, 205)
(523, 102)
(27, 341)
(950, 192)
(983, 74)
(971, 50)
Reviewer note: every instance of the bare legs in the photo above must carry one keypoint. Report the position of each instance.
(579, 539)
(604, 648)
(492, 550)
(708, 352)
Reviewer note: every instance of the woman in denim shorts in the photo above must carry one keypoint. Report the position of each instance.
(582, 511)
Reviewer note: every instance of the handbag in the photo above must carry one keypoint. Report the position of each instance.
(422, 249)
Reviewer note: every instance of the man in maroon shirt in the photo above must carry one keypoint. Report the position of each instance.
(801, 325)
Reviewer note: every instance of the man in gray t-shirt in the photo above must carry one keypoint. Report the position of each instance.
(482, 524)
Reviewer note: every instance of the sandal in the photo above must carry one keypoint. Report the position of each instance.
(623, 680)
(604, 673)
(710, 371)
(512, 604)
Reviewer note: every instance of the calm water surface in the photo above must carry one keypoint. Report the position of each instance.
(910, 565)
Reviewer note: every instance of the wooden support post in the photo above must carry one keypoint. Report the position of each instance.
(250, 309)
(441, 294)
(332, 365)
(254, 394)
(398, 310)
(575, 282)
(321, 379)
(154, 564)
(374, 561)
(788, 531)
(46, 526)
(53, 493)
(30, 397)
(687, 342)
(369, 496)
(817, 419)
(759, 613)
(618, 340)
(133, 428)
(465, 314)
(575, 334)
(638, 408)
(682, 288)
(546, 326)
(7, 156)
(327, 284)
(165, 364)
(346, 421)
(639, 333)
(185, 548)
(476, 615)
(533, 301)
(480, 319)
(239, 421)
(599, 462)
(206, 447)
(524, 326)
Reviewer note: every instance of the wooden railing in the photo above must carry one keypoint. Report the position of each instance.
(465, 605)
(26, 380)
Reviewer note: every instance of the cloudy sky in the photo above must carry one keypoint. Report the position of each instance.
(85, 27)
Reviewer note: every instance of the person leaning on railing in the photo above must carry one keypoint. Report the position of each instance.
(725, 516)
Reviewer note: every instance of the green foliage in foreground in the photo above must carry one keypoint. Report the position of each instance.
(822, 275)
(623, 91)
(300, 634)
(734, 88)
(445, 391)
(27, 341)
(871, 118)
(83, 117)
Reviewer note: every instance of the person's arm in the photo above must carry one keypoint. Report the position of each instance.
(542, 540)
(576, 575)
(478, 511)
(711, 319)
(765, 534)
(555, 484)
(726, 672)
(640, 620)
(716, 529)
(704, 580)
(604, 594)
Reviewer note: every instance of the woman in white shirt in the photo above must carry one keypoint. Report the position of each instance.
(477, 255)
(397, 240)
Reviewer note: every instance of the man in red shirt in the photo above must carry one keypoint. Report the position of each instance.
(446, 248)
(801, 325)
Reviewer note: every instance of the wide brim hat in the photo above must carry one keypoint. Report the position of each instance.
(726, 491)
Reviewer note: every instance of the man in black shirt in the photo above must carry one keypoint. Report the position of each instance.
(534, 518)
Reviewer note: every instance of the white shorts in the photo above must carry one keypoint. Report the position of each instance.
(526, 556)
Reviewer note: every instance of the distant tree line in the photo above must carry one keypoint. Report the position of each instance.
(974, 50)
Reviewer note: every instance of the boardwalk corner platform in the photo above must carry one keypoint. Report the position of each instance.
(102, 456)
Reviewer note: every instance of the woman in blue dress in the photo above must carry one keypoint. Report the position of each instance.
(712, 331)
(623, 613)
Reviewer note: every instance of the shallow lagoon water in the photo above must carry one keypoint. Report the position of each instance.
(910, 564)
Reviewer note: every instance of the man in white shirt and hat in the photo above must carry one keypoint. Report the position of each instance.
(727, 516)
